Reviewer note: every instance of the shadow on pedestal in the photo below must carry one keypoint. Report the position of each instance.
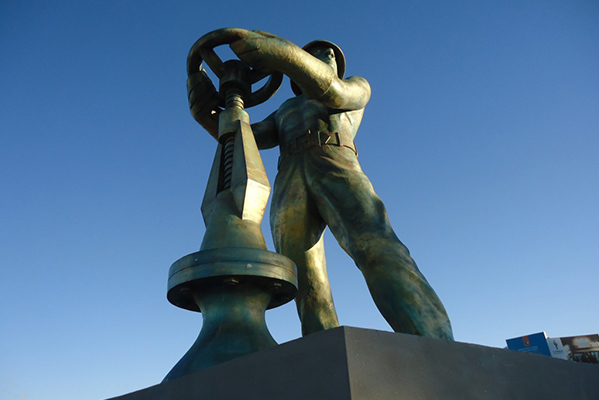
(352, 363)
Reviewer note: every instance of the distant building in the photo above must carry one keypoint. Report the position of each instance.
(583, 348)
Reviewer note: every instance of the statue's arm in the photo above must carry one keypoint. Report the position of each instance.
(352, 93)
(265, 132)
(316, 79)
(203, 102)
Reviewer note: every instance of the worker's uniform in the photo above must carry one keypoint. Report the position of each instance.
(320, 183)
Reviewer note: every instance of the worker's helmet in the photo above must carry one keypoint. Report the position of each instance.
(339, 58)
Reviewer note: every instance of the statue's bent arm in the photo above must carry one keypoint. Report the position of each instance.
(203, 102)
(348, 94)
(265, 132)
(316, 79)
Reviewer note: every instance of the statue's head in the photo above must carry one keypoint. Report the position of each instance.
(327, 52)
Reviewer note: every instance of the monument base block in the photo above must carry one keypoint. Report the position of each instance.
(351, 363)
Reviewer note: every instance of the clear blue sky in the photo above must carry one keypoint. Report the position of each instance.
(481, 137)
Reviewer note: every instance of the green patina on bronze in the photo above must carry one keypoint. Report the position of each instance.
(319, 183)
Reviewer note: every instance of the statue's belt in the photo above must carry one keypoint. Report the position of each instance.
(317, 139)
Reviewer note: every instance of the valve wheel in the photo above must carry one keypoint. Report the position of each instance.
(203, 50)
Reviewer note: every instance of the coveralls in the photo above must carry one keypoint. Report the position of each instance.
(320, 183)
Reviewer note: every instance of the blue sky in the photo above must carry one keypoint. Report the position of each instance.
(481, 137)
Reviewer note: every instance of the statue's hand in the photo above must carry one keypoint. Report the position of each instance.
(267, 53)
(203, 100)
(262, 51)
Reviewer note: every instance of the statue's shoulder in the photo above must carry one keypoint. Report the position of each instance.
(295, 100)
(291, 104)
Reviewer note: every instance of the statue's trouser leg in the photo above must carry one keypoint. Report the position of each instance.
(297, 230)
(357, 217)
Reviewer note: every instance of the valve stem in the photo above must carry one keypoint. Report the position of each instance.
(234, 100)
(228, 162)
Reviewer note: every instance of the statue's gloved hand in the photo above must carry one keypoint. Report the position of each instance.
(263, 51)
(203, 101)
(201, 93)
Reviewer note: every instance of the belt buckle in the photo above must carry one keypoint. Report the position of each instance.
(338, 138)
(323, 138)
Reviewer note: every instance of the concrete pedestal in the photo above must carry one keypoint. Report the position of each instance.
(351, 363)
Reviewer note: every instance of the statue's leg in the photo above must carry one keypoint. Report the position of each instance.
(297, 230)
(359, 221)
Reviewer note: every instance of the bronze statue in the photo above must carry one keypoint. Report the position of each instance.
(320, 183)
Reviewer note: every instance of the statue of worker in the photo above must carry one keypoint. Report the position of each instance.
(320, 183)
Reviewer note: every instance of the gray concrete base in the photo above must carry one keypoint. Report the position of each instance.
(351, 363)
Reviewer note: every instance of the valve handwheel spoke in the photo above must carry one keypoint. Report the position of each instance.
(203, 50)
(213, 61)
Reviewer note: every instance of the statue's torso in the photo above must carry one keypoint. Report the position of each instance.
(299, 115)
